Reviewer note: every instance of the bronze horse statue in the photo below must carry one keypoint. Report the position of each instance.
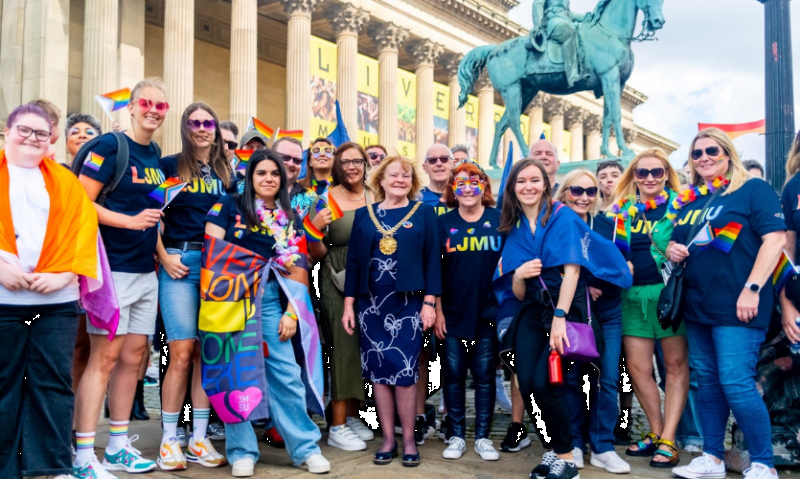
(519, 72)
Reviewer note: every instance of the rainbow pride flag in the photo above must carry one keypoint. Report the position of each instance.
(783, 271)
(243, 156)
(94, 161)
(114, 100)
(262, 127)
(727, 236)
(168, 190)
(215, 210)
(327, 201)
(312, 233)
(296, 134)
(620, 235)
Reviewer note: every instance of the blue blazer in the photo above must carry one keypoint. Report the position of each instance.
(419, 265)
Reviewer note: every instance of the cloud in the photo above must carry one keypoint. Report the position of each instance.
(707, 66)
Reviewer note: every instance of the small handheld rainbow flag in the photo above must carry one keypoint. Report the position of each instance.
(262, 127)
(168, 190)
(94, 161)
(727, 236)
(296, 134)
(243, 156)
(113, 101)
(312, 233)
(704, 237)
(783, 271)
(620, 236)
(327, 201)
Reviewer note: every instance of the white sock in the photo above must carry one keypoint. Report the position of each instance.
(200, 423)
(170, 423)
(118, 436)
(85, 449)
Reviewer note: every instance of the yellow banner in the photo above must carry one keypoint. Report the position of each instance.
(525, 126)
(323, 87)
(471, 108)
(441, 114)
(406, 113)
(368, 75)
(567, 146)
(368, 87)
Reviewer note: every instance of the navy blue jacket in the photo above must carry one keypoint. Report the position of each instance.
(419, 265)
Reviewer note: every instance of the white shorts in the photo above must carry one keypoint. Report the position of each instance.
(137, 294)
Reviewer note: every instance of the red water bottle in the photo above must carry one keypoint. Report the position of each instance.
(554, 363)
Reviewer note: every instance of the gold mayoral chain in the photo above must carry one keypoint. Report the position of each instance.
(388, 244)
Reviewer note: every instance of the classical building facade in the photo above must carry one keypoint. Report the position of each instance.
(395, 64)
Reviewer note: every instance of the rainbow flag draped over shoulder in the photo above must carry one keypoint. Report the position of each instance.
(783, 271)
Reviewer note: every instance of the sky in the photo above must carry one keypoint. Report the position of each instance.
(707, 66)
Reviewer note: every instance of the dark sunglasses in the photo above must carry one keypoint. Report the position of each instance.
(376, 156)
(711, 151)
(208, 125)
(441, 159)
(232, 145)
(643, 173)
(578, 191)
(288, 158)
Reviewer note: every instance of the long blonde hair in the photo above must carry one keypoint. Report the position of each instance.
(736, 170)
(562, 194)
(793, 162)
(627, 184)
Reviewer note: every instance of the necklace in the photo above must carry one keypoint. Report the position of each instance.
(388, 244)
(205, 170)
(692, 194)
(363, 192)
(282, 230)
(622, 210)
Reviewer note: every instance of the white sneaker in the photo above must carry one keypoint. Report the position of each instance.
(317, 464)
(202, 452)
(485, 449)
(611, 462)
(62, 476)
(360, 429)
(760, 471)
(345, 439)
(170, 457)
(243, 467)
(91, 470)
(692, 448)
(703, 467)
(501, 396)
(455, 449)
(577, 457)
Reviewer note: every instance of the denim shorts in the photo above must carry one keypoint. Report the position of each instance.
(180, 298)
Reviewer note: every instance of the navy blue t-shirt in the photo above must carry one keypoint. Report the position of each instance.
(129, 251)
(225, 214)
(645, 270)
(434, 199)
(790, 201)
(714, 279)
(470, 252)
(185, 217)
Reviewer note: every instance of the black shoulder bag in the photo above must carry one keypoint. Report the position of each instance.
(671, 300)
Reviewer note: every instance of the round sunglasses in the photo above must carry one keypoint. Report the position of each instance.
(208, 125)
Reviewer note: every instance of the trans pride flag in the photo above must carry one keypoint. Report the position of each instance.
(167, 191)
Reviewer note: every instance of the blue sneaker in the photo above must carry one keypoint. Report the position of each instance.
(91, 470)
(128, 459)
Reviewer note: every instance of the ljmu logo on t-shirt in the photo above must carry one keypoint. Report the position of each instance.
(152, 176)
(476, 243)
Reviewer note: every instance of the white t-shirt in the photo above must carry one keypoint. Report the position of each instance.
(30, 210)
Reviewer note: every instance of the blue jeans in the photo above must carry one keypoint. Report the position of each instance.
(286, 392)
(480, 357)
(603, 413)
(725, 358)
(689, 431)
(180, 298)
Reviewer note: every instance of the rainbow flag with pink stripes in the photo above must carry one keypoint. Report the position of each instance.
(115, 100)
(168, 190)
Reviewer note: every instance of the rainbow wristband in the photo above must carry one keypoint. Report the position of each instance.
(291, 315)
(312, 233)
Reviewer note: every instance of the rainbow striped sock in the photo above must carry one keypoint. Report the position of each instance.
(84, 448)
(200, 423)
(118, 436)
(170, 423)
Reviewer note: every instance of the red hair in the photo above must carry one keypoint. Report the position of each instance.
(471, 170)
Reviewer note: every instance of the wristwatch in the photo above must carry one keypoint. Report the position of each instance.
(559, 313)
(754, 287)
(428, 303)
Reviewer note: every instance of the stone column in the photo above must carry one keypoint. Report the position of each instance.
(424, 53)
(100, 73)
(298, 73)
(554, 112)
(593, 127)
(536, 115)
(387, 38)
(244, 61)
(131, 50)
(458, 116)
(178, 68)
(574, 120)
(485, 93)
(11, 54)
(346, 21)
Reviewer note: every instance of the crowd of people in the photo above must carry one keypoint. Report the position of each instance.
(545, 282)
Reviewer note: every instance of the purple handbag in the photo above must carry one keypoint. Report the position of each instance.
(582, 345)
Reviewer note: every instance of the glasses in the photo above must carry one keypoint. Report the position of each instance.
(26, 132)
(318, 151)
(643, 173)
(232, 145)
(376, 156)
(161, 107)
(711, 151)
(357, 163)
(578, 191)
(441, 159)
(292, 159)
(195, 125)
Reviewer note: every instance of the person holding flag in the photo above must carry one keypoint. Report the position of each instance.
(539, 287)
(640, 210)
(730, 233)
(318, 177)
(790, 201)
(203, 167)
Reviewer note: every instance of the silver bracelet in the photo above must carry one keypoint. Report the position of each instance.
(518, 282)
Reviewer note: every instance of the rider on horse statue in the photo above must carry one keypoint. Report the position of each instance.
(553, 20)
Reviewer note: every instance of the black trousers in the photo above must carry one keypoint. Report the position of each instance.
(36, 399)
(531, 359)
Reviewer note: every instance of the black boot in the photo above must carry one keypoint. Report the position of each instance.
(138, 412)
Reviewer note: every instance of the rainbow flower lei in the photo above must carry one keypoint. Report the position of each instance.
(621, 208)
(282, 230)
(692, 194)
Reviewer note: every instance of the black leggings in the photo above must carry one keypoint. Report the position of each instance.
(531, 359)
